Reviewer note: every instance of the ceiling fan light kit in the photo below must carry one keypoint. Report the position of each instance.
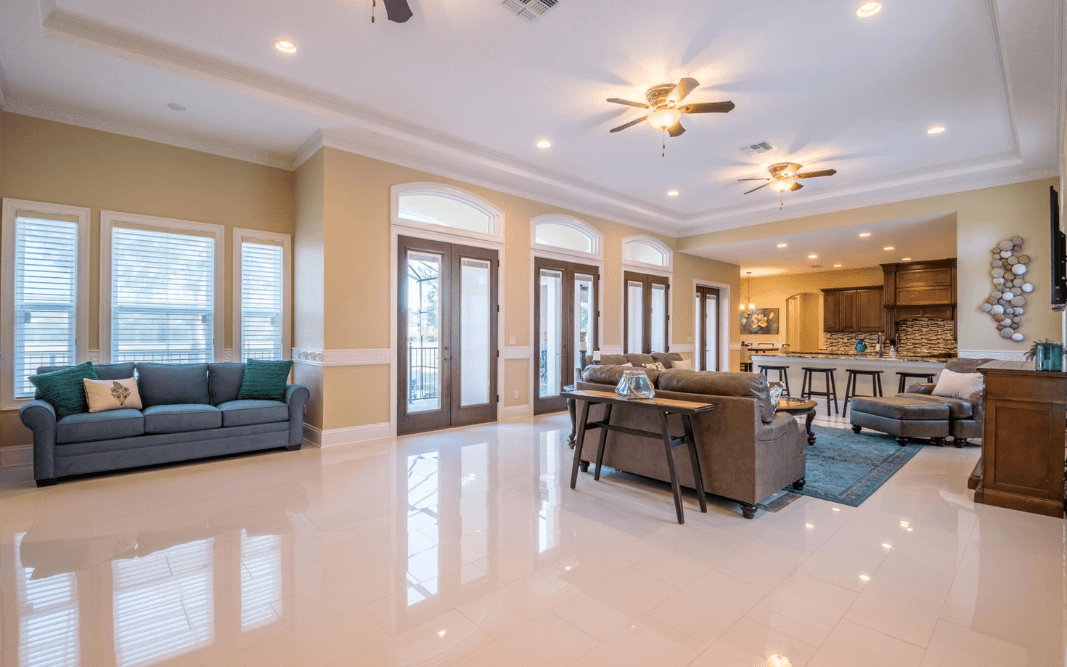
(784, 176)
(664, 113)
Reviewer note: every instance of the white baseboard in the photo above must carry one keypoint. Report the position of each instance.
(999, 355)
(515, 412)
(344, 436)
(16, 455)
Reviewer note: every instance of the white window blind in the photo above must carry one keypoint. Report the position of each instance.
(162, 296)
(261, 301)
(46, 296)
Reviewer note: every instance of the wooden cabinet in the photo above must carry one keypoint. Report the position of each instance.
(1022, 465)
(853, 310)
(935, 285)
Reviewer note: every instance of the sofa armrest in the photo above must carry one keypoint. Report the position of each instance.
(40, 417)
(977, 401)
(296, 397)
(921, 388)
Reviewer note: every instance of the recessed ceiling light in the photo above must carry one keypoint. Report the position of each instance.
(837, 266)
(813, 257)
(889, 247)
(864, 577)
(936, 129)
(868, 9)
(906, 259)
(783, 245)
(285, 46)
(544, 143)
(672, 193)
(864, 235)
(442, 633)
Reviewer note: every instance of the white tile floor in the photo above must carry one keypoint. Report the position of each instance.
(468, 548)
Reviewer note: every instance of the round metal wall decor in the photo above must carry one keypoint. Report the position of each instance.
(1008, 267)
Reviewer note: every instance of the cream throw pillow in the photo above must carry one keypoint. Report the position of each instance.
(958, 385)
(682, 364)
(104, 395)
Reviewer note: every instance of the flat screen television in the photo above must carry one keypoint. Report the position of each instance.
(1058, 254)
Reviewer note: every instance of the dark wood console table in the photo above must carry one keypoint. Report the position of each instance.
(1022, 466)
(660, 406)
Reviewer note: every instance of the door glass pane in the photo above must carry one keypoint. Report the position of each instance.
(635, 338)
(475, 330)
(711, 327)
(551, 333)
(659, 318)
(584, 318)
(698, 348)
(424, 339)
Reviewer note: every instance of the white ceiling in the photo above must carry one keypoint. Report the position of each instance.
(912, 239)
(466, 89)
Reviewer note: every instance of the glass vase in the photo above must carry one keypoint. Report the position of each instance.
(1049, 357)
(634, 384)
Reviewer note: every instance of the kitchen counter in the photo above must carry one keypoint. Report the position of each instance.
(841, 363)
(866, 355)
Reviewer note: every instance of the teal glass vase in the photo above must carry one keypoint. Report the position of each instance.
(1049, 357)
(861, 347)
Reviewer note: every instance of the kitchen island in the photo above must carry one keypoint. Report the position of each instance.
(890, 366)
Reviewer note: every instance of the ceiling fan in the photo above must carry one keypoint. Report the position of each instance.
(664, 113)
(784, 177)
(396, 11)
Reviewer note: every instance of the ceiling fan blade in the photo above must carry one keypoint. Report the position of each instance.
(397, 11)
(684, 87)
(708, 107)
(676, 130)
(796, 186)
(752, 179)
(630, 124)
(816, 174)
(639, 105)
(760, 187)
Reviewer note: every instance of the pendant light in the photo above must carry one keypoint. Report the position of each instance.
(746, 298)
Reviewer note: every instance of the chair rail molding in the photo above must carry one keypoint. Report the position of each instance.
(997, 355)
(360, 357)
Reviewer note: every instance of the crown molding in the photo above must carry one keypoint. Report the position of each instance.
(5, 91)
(93, 121)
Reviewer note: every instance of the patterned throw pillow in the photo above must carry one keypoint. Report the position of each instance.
(777, 389)
(265, 380)
(655, 366)
(63, 389)
(104, 395)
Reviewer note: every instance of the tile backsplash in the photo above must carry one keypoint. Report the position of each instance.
(914, 336)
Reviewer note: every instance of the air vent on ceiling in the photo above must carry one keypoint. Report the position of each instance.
(816, 266)
(531, 10)
(756, 149)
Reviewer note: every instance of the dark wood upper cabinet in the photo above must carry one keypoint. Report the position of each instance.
(846, 308)
(831, 321)
(853, 310)
(870, 315)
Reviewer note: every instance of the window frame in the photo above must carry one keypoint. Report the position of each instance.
(595, 235)
(109, 220)
(643, 267)
(11, 209)
(496, 215)
(647, 280)
(240, 235)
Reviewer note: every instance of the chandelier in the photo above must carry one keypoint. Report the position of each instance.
(746, 305)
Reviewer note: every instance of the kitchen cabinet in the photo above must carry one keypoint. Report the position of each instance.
(853, 310)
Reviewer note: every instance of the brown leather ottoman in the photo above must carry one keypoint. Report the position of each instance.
(901, 418)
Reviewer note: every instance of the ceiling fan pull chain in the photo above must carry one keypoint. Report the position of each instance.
(373, 6)
(664, 136)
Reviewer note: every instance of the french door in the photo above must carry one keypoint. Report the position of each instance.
(707, 347)
(645, 317)
(565, 326)
(447, 335)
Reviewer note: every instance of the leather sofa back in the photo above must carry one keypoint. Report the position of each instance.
(711, 383)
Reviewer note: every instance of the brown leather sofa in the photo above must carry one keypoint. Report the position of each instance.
(965, 415)
(748, 451)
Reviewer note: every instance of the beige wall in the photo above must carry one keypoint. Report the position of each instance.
(772, 292)
(983, 218)
(64, 164)
(357, 283)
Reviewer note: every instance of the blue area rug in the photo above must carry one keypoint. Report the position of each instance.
(845, 467)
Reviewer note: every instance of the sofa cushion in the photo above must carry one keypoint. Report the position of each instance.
(958, 408)
(667, 358)
(613, 360)
(63, 388)
(243, 413)
(172, 384)
(744, 385)
(612, 374)
(181, 417)
(224, 382)
(90, 426)
(639, 360)
(902, 407)
(962, 365)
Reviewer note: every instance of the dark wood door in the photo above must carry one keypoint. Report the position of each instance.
(566, 314)
(708, 328)
(869, 311)
(649, 325)
(446, 335)
(831, 309)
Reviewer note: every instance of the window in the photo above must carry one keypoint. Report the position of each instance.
(261, 284)
(645, 251)
(645, 318)
(570, 236)
(433, 205)
(164, 292)
(45, 260)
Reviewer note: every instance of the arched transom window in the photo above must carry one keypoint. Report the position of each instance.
(433, 205)
(560, 233)
(646, 251)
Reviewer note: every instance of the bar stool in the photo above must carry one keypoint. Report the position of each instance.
(831, 386)
(783, 375)
(929, 377)
(746, 368)
(850, 385)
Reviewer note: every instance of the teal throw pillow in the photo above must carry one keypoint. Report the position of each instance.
(64, 390)
(264, 380)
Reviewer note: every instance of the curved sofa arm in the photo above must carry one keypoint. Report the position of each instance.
(40, 417)
(296, 396)
(921, 388)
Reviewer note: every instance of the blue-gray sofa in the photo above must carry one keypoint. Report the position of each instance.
(190, 411)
